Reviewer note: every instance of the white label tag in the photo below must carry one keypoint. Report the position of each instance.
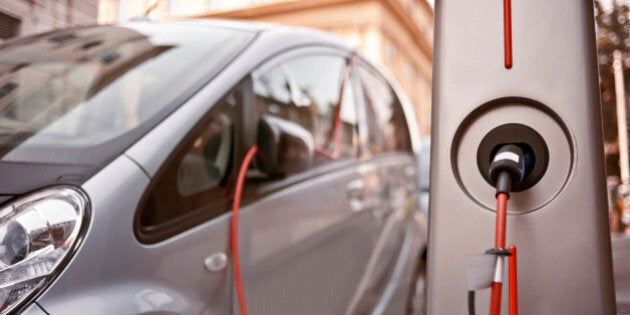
(480, 271)
(506, 156)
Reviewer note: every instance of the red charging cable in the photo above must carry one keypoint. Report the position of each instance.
(499, 242)
(238, 193)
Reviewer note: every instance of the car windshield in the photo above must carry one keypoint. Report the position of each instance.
(65, 93)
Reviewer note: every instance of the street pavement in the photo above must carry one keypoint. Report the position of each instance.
(621, 266)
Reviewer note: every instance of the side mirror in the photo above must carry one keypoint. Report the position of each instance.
(284, 147)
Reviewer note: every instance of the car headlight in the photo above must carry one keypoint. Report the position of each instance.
(36, 233)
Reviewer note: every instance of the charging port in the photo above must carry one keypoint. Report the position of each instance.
(535, 152)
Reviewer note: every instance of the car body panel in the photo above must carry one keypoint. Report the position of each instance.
(112, 273)
(33, 309)
(324, 245)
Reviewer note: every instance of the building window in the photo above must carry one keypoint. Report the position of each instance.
(129, 9)
(9, 26)
(179, 7)
(409, 6)
(411, 71)
(392, 50)
(231, 4)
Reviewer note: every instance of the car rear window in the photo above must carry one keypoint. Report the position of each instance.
(81, 94)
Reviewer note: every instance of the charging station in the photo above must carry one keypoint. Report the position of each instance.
(521, 72)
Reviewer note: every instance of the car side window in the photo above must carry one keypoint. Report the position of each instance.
(306, 91)
(387, 126)
(195, 179)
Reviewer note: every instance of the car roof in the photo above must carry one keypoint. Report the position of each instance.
(281, 30)
(241, 25)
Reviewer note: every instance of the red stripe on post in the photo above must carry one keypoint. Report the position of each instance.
(512, 278)
(507, 32)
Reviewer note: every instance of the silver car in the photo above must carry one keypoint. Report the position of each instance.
(120, 147)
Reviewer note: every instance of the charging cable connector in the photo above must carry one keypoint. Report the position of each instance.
(507, 168)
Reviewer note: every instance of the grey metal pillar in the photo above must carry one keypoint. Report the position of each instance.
(560, 225)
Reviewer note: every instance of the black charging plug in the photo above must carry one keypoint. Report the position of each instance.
(536, 154)
(508, 167)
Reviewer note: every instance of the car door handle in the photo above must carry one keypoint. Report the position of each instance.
(215, 262)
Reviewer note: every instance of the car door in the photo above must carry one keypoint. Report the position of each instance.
(183, 218)
(309, 239)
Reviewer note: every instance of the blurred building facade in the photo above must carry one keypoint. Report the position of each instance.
(23, 17)
(397, 34)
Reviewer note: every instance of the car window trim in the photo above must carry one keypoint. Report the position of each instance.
(161, 232)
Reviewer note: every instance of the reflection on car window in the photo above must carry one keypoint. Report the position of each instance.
(78, 88)
(206, 162)
(195, 179)
(274, 88)
(387, 126)
(306, 91)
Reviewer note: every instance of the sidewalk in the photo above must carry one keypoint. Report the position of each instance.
(621, 264)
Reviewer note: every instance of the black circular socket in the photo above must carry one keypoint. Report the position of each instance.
(533, 145)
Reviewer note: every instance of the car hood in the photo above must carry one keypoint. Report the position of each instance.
(17, 178)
